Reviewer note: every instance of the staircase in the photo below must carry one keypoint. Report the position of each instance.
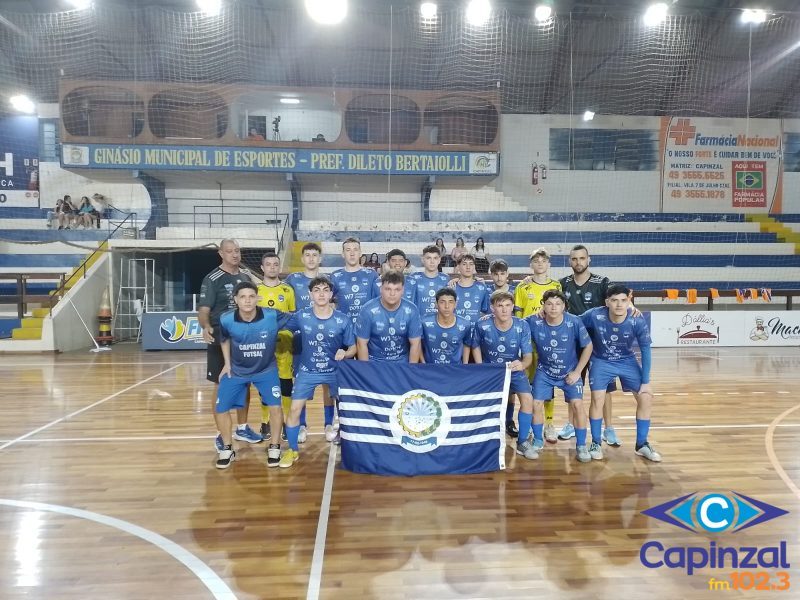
(768, 224)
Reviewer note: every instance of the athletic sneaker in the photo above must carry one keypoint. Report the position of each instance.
(648, 452)
(330, 433)
(218, 443)
(266, 431)
(538, 445)
(336, 424)
(302, 435)
(511, 429)
(225, 457)
(567, 432)
(583, 454)
(527, 450)
(610, 437)
(595, 451)
(550, 433)
(289, 458)
(273, 455)
(247, 435)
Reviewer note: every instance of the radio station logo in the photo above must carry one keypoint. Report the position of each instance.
(482, 164)
(174, 329)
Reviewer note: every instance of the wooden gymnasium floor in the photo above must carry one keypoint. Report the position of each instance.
(108, 490)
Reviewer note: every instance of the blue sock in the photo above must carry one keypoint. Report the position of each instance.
(328, 414)
(510, 410)
(596, 426)
(537, 432)
(580, 436)
(291, 436)
(303, 417)
(525, 420)
(642, 429)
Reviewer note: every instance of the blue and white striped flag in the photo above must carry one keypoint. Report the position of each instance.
(404, 419)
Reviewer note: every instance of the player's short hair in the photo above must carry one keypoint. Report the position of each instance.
(466, 257)
(554, 294)
(393, 277)
(432, 250)
(244, 285)
(321, 280)
(499, 296)
(446, 291)
(270, 254)
(396, 252)
(617, 288)
(351, 240)
(498, 266)
(311, 246)
(579, 247)
(540, 253)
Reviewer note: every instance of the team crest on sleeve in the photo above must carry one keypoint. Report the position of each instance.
(419, 421)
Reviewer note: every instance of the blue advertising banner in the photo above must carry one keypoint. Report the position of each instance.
(278, 160)
(19, 162)
(172, 331)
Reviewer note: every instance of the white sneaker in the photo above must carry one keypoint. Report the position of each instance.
(527, 450)
(330, 433)
(302, 435)
(550, 434)
(595, 451)
(649, 452)
(583, 454)
(225, 458)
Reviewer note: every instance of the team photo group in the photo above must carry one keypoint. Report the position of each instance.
(285, 338)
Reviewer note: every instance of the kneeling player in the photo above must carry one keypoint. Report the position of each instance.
(556, 337)
(613, 333)
(323, 333)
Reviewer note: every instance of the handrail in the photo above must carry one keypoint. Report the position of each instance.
(22, 298)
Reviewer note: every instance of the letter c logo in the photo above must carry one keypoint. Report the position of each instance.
(715, 513)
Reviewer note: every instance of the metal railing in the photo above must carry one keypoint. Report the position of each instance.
(662, 295)
(21, 297)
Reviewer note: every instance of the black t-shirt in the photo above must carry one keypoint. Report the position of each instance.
(216, 292)
(589, 295)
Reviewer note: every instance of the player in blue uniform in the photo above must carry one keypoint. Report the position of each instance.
(324, 334)
(428, 282)
(397, 262)
(613, 333)
(556, 336)
(446, 337)
(473, 297)
(248, 336)
(507, 339)
(354, 285)
(389, 328)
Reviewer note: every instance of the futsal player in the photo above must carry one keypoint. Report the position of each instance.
(446, 337)
(613, 333)
(556, 336)
(354, 285)
(326, 336)
(389, 328)
(507, 339)
(397, 262)
(248, 335)
(473, 295)
(498, 271)
(216, 296)
(428, 282)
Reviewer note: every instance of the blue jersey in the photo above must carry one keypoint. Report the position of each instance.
(321, 339)
(445, 345)
(512, 287)
(408, 288)
(502, 346)
(388, 331)
(353, 289)
(302, 295)
(556, 345)
(614, 341)
(473, 301)
(425, 289)
(252, 343)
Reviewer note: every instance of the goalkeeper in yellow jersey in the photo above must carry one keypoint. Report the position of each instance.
(528, 300)
(273, 293)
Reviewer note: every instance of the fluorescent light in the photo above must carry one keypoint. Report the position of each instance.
(542, 13)
(656, 14)
(478, 12)
(427, 10)
(22, 104)
(327, 12)
(754, 15)
(290, 100)
(81, 4)
(588, 115)
(210, 7)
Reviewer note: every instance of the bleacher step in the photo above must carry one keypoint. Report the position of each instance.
(40, 313)
(24, 333)
(32, 323)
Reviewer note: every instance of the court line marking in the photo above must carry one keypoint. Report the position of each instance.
(74, 363)
(199, 569)
(143, 438)
(315, 576)
(85, 408)
(773, 458)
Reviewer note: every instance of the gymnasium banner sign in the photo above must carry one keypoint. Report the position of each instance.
(172, 331)
(279, 160)
(19, 162)
(721, 164)
(725, 328)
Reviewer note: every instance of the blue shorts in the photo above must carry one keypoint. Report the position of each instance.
(306, 383)
(544, 386)
(232, 390)
(519, 383)
(603, 372)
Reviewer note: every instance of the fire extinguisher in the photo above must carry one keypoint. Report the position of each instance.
(534, 174)
(543, 171)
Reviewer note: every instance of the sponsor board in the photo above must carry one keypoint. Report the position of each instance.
(172, 331)
(725, 328)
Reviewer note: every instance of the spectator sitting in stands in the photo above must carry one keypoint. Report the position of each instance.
(458, 251)
(87, 214)
(63, 213)
(319, 138)
(481, 258)
(363, 260)
(374, 262)
(444, 261)
(254, 136)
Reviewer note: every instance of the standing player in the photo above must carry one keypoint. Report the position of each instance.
(507, 339)
(389, 327)
(273, 293)
(354, 285)
(428, 282)
(473, 296)
(446, 337)
(324, 333)
(398, 263)
(613, 333)
(249, 335)
(556, 337)
(216, 296)
(499, 273)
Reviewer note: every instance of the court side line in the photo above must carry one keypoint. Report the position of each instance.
(315, 576)
(773, 458)
(85, 408)
(143, 438)
(74, 363)
(199, 569)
